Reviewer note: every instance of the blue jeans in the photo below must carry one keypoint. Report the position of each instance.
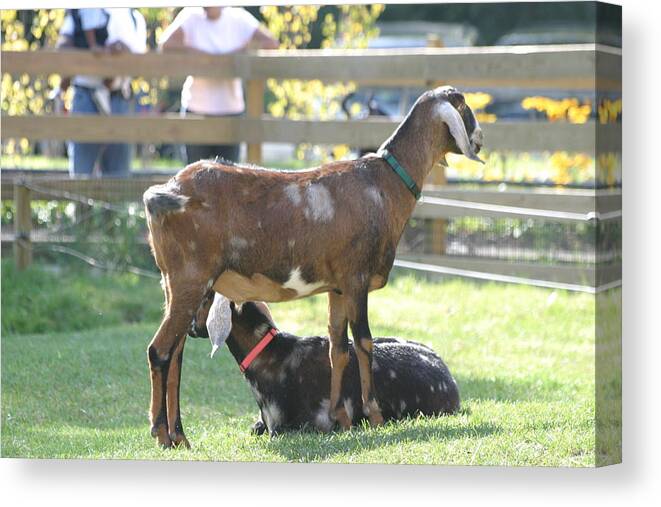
(115, 159)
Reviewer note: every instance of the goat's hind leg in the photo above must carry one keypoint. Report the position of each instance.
(339, 357)
(167, 345)
(362, 339)
(176, 429)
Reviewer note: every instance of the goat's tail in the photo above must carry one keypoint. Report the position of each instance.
(161, 199)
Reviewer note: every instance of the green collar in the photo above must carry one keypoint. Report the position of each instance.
(401, 172)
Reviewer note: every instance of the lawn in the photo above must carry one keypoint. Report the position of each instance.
(523, 358)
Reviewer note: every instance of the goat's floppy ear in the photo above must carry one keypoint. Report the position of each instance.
(455, 123)
(219, 322)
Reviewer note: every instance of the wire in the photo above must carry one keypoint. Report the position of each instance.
(69, 196)
(433, 268)
(517, 210)
(98, 264)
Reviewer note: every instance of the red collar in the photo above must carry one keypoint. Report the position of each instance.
(257, 349)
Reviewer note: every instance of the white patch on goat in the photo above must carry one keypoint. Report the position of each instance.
(297, 283)
(374, 195)
(425, 359)
(237, 242)
(293, 193)
(392, 374)
(320, 206)
(322, 418)
(272, 414)
(293, 360)
(348, 407)
(442, 386)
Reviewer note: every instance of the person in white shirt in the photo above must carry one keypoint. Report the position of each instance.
(214, 30)
(102, 30)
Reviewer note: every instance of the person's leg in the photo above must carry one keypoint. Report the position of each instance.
(116, 157)
(227, 152)
(195, 152)
(82, 156)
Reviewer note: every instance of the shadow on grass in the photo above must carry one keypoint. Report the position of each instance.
(312, 446)
(498, 389)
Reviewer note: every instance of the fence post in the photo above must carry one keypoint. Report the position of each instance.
(439, 226)
(22, 226)
(255, 107)
(437, 177)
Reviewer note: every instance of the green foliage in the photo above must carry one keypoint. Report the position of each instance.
(523, 359)
(348, 26)
(61, 298)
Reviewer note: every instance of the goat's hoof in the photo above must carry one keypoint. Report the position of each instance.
(258, 428)
(375, 418)
(342, 418)
(179, 440)
(160, 433)
(373, 413)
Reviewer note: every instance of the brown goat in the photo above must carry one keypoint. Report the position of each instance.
(265, 235)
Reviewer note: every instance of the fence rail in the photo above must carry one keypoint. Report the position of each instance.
(504, 135)
(582, 202)
(568, 67)
(572, 66)
(437, 202)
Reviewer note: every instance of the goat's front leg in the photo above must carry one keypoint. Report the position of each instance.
(339, 356)
(362, 340)
(167, 345)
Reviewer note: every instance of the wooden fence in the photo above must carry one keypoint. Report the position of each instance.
(570, 67)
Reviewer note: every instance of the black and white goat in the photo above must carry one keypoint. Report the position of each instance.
(263, 235)
(290, 376)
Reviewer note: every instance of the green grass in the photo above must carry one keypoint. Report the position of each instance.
(62, 298)
(523, 358)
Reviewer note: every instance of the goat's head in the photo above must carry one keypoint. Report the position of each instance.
(448, 105)
(217, 317)
(251, 318)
